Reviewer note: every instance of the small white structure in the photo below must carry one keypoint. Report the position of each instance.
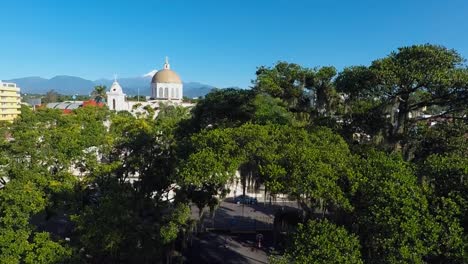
(116, 98)
(166, 84)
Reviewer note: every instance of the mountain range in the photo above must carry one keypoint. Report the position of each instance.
(69, 85)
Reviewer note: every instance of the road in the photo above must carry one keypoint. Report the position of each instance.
(213, 248)
(232, 234)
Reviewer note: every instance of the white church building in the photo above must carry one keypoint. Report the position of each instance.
(166, 88)
(166, 84)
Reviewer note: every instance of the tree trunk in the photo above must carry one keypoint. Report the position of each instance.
(400, 125)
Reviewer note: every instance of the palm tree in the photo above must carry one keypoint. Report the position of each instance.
(99, 93)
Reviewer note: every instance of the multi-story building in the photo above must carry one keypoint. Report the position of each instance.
(10, 101)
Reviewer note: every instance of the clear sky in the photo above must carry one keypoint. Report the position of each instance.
(218, 42)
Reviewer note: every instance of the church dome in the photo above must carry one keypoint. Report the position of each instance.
(166, 76)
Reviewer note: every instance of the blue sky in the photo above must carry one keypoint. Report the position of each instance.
(215, 42)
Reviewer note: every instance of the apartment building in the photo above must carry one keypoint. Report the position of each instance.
(9, 101)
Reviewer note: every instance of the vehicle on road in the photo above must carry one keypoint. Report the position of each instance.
(244, 199)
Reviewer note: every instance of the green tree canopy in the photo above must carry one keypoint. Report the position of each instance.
(391, 212)
(318, 242)
(405, 82)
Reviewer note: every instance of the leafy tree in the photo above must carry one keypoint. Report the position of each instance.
(451, 241)
(358, 83)
(434, 71)
(20, 242)
(362, 113)
(442, 138)
(303, 90)
(50, 97)
(321, 242)
(223, 108)
(406, 82)
(316, 169)
(391, 212)
(132, 214)
(209, 165)
(286, 81)
(312, 167)
(440, 155)
(99, 93)
(269, 110)
(447, 175)
(326, 98)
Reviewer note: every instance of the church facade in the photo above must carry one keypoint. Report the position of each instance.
(166, 84)
(116, 99)
(166, 88)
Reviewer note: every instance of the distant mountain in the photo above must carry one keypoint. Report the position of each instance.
(70, 85)
(195, 89)
(62, 84)
(38, 83)
(131, 86)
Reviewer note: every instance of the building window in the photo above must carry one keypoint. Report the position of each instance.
(166, 92)
(113, 104)
(161, 94)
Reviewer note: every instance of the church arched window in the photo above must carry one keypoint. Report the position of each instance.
(113, 104)
(161, 95)
(177, 93)
(166, 92)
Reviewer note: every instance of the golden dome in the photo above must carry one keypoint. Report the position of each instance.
(166, 76)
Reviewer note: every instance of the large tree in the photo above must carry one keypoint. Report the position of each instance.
(304, 90)
(391, 212)
(222, 108)
(131, 213)
(313, 167)
(407, 82)
(318, 242)
(287, 81)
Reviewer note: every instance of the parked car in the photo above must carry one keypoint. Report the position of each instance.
(244, 199)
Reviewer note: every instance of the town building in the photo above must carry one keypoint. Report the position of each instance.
(10, 101)
(166, 84)
(166, 88)
(116, 99)
(68, 107)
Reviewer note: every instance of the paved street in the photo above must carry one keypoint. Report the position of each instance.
(213, 248)
(232, 231)
(245, 218)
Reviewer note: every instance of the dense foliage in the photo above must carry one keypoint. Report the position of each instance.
(321, 242)
(375, 156)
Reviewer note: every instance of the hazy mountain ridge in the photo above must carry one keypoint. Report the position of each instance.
(69, 85)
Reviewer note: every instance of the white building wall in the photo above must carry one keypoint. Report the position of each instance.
(117, 102)
(167, 91)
